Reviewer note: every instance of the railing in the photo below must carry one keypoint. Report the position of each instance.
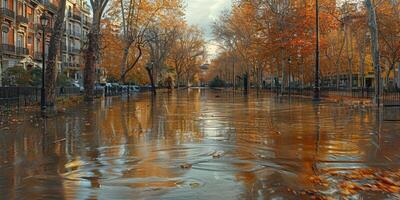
(75, 33)
(86, 23)
(63, 47)
(50, 5)
(22, 51)
(7, 12)
(39, 27)
(7, 48)
(70, 65)
(24, 96)
(22, 19)
(74, 50)
(325, 91)
(38, 55)
(391, 97)
(77, 17)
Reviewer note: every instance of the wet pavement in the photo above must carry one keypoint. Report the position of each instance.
(199, 144)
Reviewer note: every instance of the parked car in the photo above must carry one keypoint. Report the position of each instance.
(99, 88)
(134, 88)
(75, 84)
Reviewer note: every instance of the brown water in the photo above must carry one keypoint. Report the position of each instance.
(195, 144)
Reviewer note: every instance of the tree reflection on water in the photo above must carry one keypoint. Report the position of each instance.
(267, 147)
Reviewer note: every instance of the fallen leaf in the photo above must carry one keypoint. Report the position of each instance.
(186, 166)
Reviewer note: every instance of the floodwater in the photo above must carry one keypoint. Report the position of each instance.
(193, 144)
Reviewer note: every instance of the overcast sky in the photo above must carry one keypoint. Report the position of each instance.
(203, 13)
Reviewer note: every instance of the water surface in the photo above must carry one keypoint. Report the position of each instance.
(194, 144)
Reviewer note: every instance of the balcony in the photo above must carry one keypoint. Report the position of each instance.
(63, 48)
(51, 6)
(74, 34)
(77, 17)
(21, 19)
(38, 28)
(7, 13)
(70, 65)
(22, 51)
(74, 50)
(86, 23)
(38, 55)
(7, 48)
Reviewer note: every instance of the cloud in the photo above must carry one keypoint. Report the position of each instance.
(203, 13)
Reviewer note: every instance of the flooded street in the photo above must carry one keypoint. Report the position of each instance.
(195, 144)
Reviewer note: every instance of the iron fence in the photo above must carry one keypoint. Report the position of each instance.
(25, 96)
(391, 98)
(325, 91)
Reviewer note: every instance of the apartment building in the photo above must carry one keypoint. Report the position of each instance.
(76, 28)
(21, 34)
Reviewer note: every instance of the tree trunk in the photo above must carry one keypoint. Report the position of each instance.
(124, 63)
(398, 76)
(149, 72)
(51, 67)
(178, 77)
(91, 53)
(373, 26)
(283, 62)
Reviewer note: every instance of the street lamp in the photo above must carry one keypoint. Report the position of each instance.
(44, 19)
(317, 89)
(290, 74)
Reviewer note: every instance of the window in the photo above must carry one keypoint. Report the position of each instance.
(20, 40)
(46, 48)
(30, 40)
(70, 28)
(5, 4)
(4, 37)
(19, 8)
(69, 11)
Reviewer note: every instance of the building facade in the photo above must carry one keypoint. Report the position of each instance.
(21, 34)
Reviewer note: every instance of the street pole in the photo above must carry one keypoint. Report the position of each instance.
(317, 89)
(43, 22)
(43, 95)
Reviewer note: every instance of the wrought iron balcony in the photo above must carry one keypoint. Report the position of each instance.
(74, 50)
(38, 55)
(39, 27)
(22, 19)
(77, 17)
(63, 47)
(86, 23)
(7, 13)
(22, 51)
(8, 48)
(49, 5)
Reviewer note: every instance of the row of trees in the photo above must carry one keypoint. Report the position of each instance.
(141, 41)
(275, 40)
(150, 42)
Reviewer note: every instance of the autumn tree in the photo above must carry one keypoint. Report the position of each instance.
(54, 47)
(185, 53)
(92, 51)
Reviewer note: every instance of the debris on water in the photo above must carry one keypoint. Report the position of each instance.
(186, 166)
(194, 185)
(350, 183)
(217, 154)
(61, 140)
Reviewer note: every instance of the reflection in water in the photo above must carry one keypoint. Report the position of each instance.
(239, 147)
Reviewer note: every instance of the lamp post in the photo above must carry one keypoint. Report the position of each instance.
(290, 75)
(43, 22)
(317, 89)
